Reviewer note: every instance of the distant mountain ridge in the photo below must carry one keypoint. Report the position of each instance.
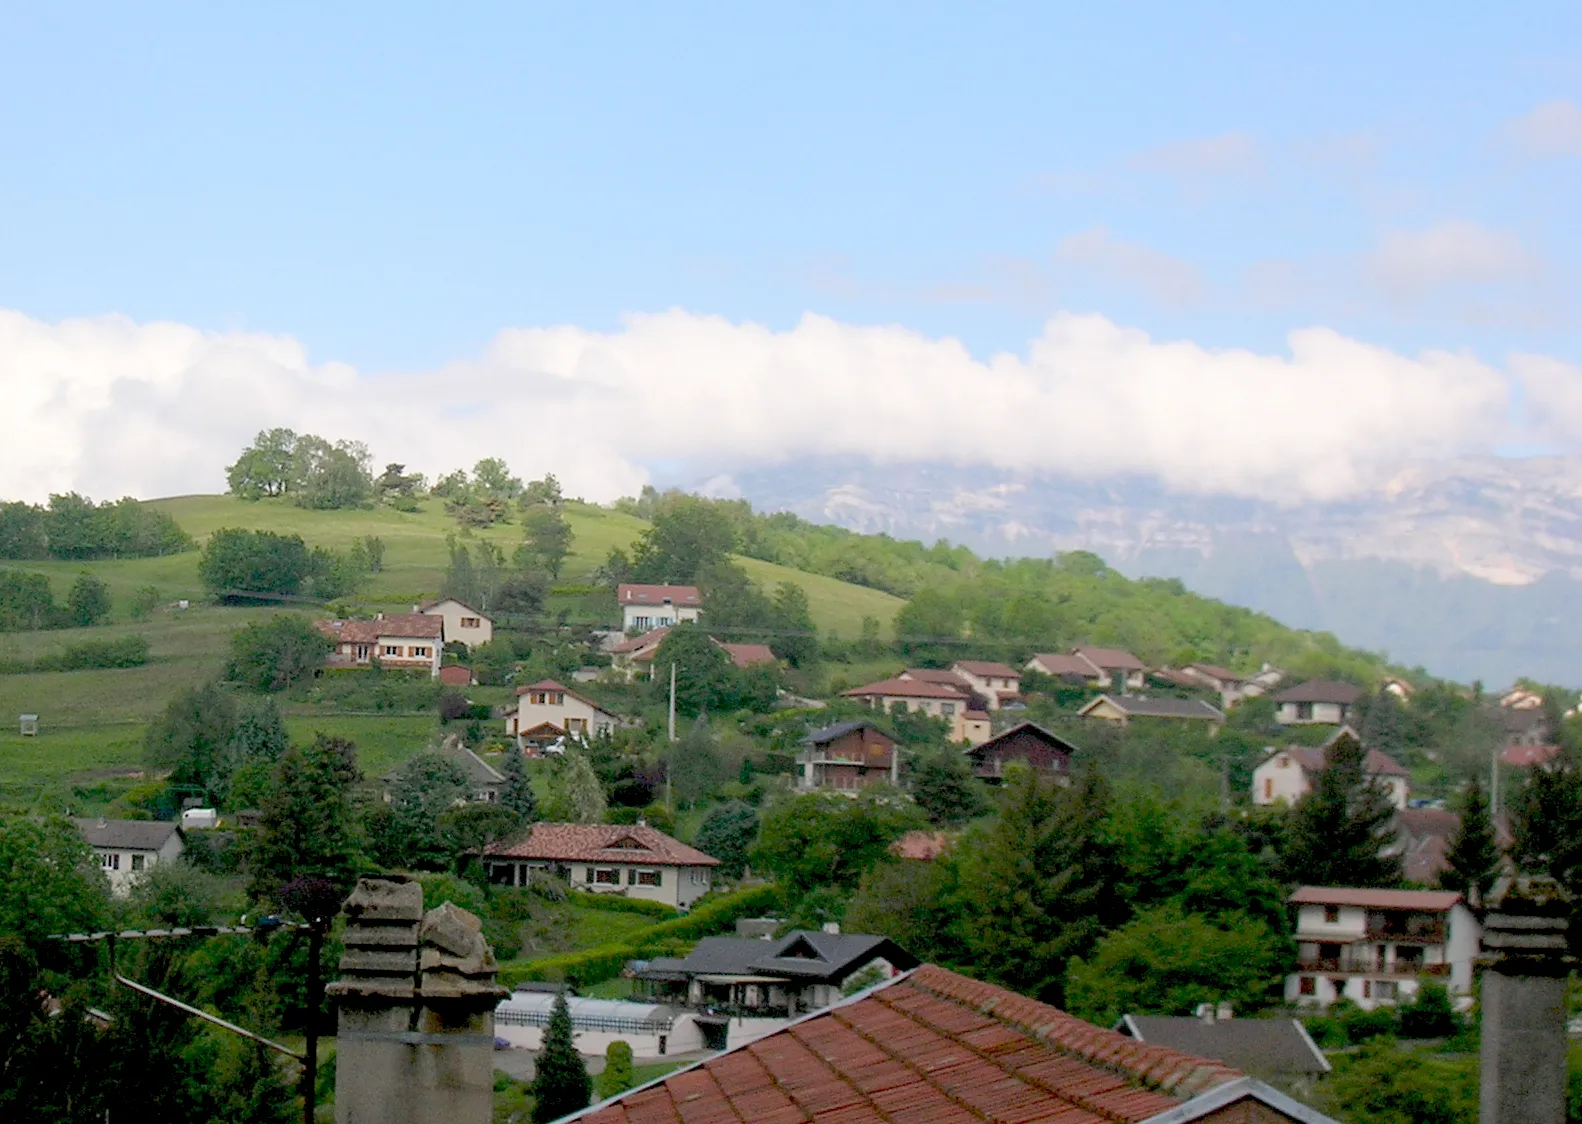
(1471, 568)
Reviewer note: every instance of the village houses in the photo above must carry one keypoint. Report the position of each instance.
(1044, 752)
(923, 697)
(1066, 667)
(1122, 671)
(632, 860)
(1373, 946)
(634, 658)
(647, 607)
(1286, 775)
(400, 641)
(126, 849)
(846, 758)
(463, 623)
(547, 711)
(1318, 702)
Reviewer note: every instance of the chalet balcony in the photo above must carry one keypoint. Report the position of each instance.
(1359, 966)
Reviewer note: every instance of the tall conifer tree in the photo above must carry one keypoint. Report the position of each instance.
(517, 795)
(560, 1081)
(1340, 833)
(1473, 855)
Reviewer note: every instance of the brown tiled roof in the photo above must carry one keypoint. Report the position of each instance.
(554, 685)
(1431, 901)
(1321, 691)
(404, 626)
(1424, 822)
(651, 638)
(1426, 860)
(942, 676)
(685, 596)
(977, 715)
(907, 689)
(1374, 763)
(455, 675)
(1217, 672)
(988, 667)
(1058, 663)
(748, 655)
(602, 842)
(1111, 659)
(931, 1047)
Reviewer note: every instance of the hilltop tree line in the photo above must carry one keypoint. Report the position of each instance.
(72, 529)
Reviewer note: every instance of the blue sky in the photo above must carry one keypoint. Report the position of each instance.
(393, 185)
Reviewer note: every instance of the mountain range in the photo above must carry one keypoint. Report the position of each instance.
(1470, 568)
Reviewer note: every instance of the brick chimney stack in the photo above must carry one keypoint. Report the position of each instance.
(1523, 1065)
(415, 1039)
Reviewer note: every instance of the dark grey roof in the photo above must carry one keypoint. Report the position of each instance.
(1136, 707)
(479, 772)
(1265, 1047)
(127, 835)
(1321, 691)
(822, 956)
(827, 734)
(1054, 741)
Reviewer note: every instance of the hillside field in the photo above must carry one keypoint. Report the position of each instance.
(92, 722)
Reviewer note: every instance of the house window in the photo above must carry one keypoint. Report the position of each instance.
(392, 649)
(470, 622)
(1307, 985)
(420, 652)
(1331, 915)
(650, 878)
(1268, 788)
(700, 877)
(137, 862)
(110, 862)
(1304, 711)
(607, 876)
(1384, 989)
(576, 725)
(947, 709)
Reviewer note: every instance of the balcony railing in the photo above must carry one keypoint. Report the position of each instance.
(1360, 966)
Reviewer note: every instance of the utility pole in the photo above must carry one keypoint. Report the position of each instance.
(672, 700)
(310, 1059)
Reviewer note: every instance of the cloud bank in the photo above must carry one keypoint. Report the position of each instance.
(108, 406)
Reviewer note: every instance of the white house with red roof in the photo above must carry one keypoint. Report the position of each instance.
(548, 710)
(1060, 665)
(1286, 775)
(1121, 670)
(918, 696)
(633, 860)
(1373, 946)
(401, 641)
(997, 684)
(1316, 702)
(647, 607)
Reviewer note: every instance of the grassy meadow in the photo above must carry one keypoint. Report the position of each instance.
(92, 722)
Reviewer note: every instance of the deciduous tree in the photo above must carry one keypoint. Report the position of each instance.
(277, 654)
(727, 833)
(88, 603)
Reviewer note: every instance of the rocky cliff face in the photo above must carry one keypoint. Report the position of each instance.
(1495, 545)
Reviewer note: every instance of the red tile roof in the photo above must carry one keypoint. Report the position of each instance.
(649, 639)
(921, 845)
(1214, 671)
(1430, 901)
(1525, 756)
(1057, 663)
(748, 655)
(630, 593)
(1111, 659)
(601, 842)
(932, 1047)
(404, 626)
(553, 685)
(907, 689)
(988, 667)
(937, 675)
(1374, 763)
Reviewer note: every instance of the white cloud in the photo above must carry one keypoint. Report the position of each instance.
(110, 407)
(1228, 154)
(1553, 391)
(1167, 279)
(1551, 129)
(1411, 263)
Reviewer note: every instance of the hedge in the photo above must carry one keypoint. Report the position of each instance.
(614, 903)
(668, 938)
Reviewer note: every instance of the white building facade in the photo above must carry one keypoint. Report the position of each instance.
(1376, 947)
(548, 710)
(632, 860)
(127, 849)
(1286, 775)
(647, 607)
(463, 623)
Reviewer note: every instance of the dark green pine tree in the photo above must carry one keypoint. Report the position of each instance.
(1340, 832)
(560, 1081)
(1546, 820)
(517, 795)
(307, 828)
(1473, 855)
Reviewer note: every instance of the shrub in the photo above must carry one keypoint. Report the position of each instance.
(276, 654)
(129, 651)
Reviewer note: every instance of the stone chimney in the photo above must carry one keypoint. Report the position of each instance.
(1523, 1066)
(415, 1042)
